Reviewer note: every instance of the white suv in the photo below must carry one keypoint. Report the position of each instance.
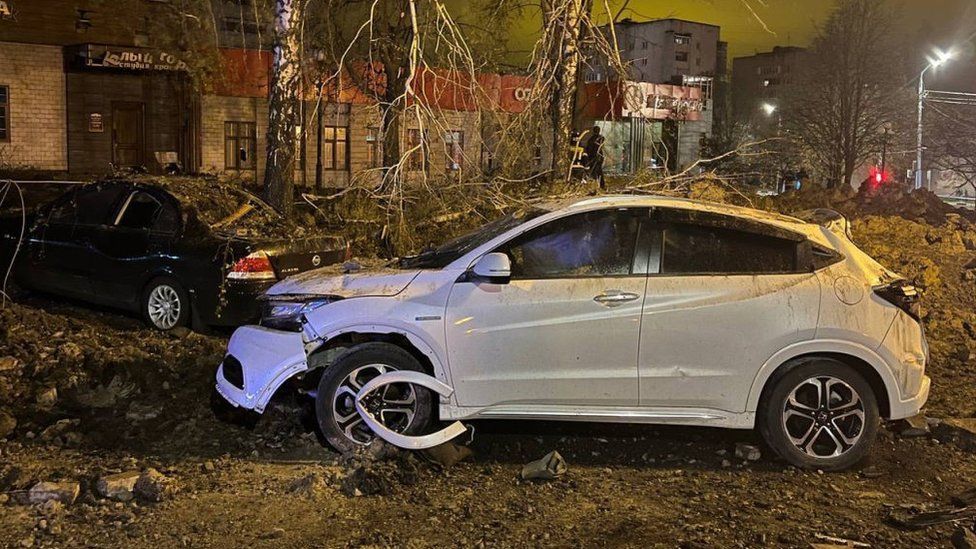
(614, 309)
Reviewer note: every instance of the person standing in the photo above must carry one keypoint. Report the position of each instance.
(594, 155)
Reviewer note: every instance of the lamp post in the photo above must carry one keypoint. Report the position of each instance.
(941, 57)
(770, 109)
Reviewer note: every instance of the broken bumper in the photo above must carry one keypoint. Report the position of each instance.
(912, 405)
(258, 361)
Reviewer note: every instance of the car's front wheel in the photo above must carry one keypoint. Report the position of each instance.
(165, 304)
(821, 414)
(402, 407)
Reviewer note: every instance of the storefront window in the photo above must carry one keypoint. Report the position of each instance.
(4, 113)
(239, 145)
(454, 149)
(373, 156)
(335, 148)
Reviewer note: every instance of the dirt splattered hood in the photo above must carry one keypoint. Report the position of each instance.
(323, 282)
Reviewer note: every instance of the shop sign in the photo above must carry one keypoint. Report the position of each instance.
(111, 57)
(95, 123)
(662, 101)
(5, 11)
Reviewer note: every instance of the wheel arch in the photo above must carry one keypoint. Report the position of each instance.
(864, 361)
(414, 344)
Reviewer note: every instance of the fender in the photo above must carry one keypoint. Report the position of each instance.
(441, 372)
(835, 346)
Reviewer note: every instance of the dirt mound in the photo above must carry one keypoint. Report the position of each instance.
(921, 206)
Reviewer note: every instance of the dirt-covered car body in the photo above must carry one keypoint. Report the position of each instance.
(683, 316)
(104, 242)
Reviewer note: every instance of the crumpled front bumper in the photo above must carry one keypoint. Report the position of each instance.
(267, 359)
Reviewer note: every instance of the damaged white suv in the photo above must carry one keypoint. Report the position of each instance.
(614, 309)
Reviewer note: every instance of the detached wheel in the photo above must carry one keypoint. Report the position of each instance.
(165, 304)
(402, 407)
(821, 414)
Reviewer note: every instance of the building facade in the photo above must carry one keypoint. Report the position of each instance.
(761, 79)
(681, 53)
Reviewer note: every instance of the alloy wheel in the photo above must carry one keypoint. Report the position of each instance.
(394, 405)
(824, 417)
(164, 307)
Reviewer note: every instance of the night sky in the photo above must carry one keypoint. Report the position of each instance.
(930, 23)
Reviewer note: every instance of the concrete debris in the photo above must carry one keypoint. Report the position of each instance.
(58, 428)
(915, 426)
(8, 363)
(549, 467)
(46, 398)
(119, 486)
(154, 486)
(961, 430)
(748, 452)
(274, 533)
(307, 486)
(833, 542)
(64, 492)
(963, 538)
(448, 454)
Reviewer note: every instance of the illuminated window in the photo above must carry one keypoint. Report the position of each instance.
(335, 148)
(682, 39)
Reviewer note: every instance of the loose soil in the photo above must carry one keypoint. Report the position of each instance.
(135, 399)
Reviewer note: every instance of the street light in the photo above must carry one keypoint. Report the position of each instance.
(768, 108)
(941, 58)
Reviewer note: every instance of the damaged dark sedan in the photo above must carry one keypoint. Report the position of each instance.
(158, 250)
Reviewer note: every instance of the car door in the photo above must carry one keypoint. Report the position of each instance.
(564, 330)
(127, 250)
(59, 248)
(721, 300)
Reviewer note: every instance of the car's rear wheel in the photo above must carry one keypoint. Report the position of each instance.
(821, 414)
(402, 407)
(165, 304)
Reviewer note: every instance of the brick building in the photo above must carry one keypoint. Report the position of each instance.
(86, 94)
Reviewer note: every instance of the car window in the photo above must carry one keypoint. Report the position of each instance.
(591, 244)
(697, 249)
(88, 206)
(140, 211)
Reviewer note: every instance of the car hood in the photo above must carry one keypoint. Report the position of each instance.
(326, 282)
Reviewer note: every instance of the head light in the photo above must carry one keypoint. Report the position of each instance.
(289, 314)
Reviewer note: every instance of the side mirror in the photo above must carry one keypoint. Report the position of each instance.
(495, 267)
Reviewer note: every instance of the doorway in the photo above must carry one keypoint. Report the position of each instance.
(128, 134)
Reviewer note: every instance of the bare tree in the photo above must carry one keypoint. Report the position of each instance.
(852, 84)
(283, 106)
(952, 145)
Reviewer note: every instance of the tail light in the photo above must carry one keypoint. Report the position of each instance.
(255, 266)
(902, 294)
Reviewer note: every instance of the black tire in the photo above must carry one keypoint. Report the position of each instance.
(171, 288)
(837, 437)
(364, 357)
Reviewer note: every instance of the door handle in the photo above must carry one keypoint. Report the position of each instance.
(612, 298)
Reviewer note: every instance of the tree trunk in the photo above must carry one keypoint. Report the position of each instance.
(279, 171)
(566, 19)
(396, 83)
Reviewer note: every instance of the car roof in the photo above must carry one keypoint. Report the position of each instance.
(660, 201)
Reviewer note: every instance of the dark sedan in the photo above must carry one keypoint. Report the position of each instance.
(136, 246)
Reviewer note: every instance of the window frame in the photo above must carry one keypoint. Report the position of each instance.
(452, 164)
(418, 160)
(237, 138)
(374, 157)
(5, 109)
(802, 260)
(639, 262)
(330, 162)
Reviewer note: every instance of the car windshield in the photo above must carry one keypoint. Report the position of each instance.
(444, 254)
